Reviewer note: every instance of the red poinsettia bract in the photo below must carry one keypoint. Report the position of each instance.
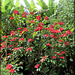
(11, 71)
(9, 66)
(46, 18)
(16, 12)
(11, 18)
(28, 49)
(38, 17)
(36, 66)
(31, 13)
(30, 40)
(48, 44)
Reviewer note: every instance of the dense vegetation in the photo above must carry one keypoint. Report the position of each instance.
(40, 42)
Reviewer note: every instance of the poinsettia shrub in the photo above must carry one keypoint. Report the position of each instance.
(37, 48)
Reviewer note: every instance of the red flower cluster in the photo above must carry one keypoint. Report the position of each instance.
(17, 48)
(45, 35)
(60, 36)
(32, 21)
(5, 36)
(11, 18)
(52, 35)
(57, 31)
(52, 26)
(9, 46)
(60, 23)
(56, 23)
(66, 43)
(60, 40)
(68, 32)
(46, 18)
(41, 25)
(19, 28)
(62, 57)
(12, 71)
(21, 32)
(12, 33)
(61, 29)
(32, 13)
(64, 34)
(3, 45)
(25, 29)
(9, 54)
(14, 38)
(16, 12)
(63, 52)
(53, 47)
(54, 31)
(9, 66)
(46, 28)
(28, 49)
(38, 17)
(5, 57)
(48, 44)
(19, 64)
(54, 57)
(30, 40)
(24, 14)
(21, 39)
(36, 66)
(15, 44)
(59, 53)
(39, 28)
(43, 58)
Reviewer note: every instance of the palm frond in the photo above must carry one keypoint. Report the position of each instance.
(32, 4)
(42, 4)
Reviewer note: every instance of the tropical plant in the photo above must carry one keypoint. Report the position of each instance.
(7, 8)
(39, 48)
(51, 7)
(66, 12)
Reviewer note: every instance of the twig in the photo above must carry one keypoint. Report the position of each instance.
(40, 11)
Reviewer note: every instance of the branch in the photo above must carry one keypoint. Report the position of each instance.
(38, 12)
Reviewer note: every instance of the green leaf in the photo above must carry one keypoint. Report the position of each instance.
(32, 5)
(17, 69)
(55, 6)
(42, 4)
(21, 67)
(51, 7)
(38, 69)
(34, 34)
(17, 4)
(26, 69)
(72, 29)
(7, 5)
(44, 46)
(3, 6)
(22, 9)
(27, 3)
